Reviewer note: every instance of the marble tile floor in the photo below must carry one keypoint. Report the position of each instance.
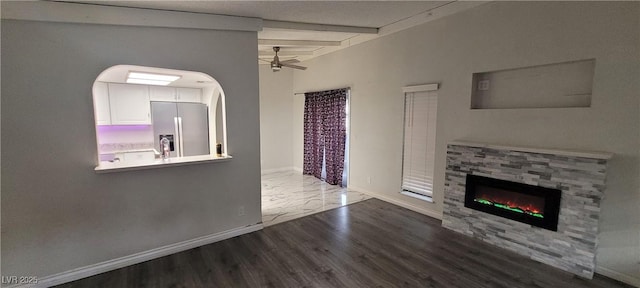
(291, 195)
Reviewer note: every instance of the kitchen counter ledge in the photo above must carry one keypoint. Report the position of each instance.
(110, 167)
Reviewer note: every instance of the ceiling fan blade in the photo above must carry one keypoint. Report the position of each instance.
(268, 61)
(293, 66)
(290, 61)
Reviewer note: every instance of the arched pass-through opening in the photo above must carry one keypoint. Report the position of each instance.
(147, 116)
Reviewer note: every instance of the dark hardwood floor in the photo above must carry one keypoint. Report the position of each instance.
(367, 244)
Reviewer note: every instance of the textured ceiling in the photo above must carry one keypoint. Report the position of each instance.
(350, 13)
(370, 14)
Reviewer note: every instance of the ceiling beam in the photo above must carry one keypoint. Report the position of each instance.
(278, 42)
(284, 53)
(317, 27)
(443, 10)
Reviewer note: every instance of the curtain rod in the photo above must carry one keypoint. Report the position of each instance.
(302, 93)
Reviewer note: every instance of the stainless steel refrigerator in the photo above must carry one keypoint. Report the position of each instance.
(185, 125)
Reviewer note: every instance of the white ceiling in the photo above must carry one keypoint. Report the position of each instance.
(348, 13)
(336, 24)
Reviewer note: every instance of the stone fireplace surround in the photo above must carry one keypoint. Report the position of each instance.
(579, 175)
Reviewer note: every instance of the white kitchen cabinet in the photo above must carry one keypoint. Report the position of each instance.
(189, 95)
(101, 103)
(162, 93)
(129, 104)
(172, 94)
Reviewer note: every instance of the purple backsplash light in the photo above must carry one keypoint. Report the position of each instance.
(112, 128)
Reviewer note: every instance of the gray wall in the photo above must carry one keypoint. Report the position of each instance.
(57, 213)
(276, 109)
(495, 36)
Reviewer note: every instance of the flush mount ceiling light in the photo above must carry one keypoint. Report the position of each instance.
(151, 78)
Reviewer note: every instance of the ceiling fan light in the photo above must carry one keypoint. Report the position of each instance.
(275, 67)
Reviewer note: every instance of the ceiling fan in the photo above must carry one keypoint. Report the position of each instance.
(276, 64)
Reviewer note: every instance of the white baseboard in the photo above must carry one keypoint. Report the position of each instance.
(282, 169)
(398, 202)
(117, 263)
(604, 271)
(297, 169)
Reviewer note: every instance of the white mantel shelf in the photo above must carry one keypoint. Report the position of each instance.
(110, 167)
(562, 152)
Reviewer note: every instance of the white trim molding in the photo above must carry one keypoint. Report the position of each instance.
(110, 15)
(604, 271)
(285, 53)
(136, 258)
(278, 42)
(287, 25)
(420, 88)
(441, 11)
(400, 203)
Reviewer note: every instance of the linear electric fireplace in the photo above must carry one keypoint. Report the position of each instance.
(535, 205)
(580, 175)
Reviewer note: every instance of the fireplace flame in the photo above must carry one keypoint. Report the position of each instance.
(514, 206)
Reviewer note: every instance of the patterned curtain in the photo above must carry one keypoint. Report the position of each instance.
(313, 140)
(325, 134)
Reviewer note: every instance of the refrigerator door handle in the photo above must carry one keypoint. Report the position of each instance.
(178, 143)
(181, 139)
